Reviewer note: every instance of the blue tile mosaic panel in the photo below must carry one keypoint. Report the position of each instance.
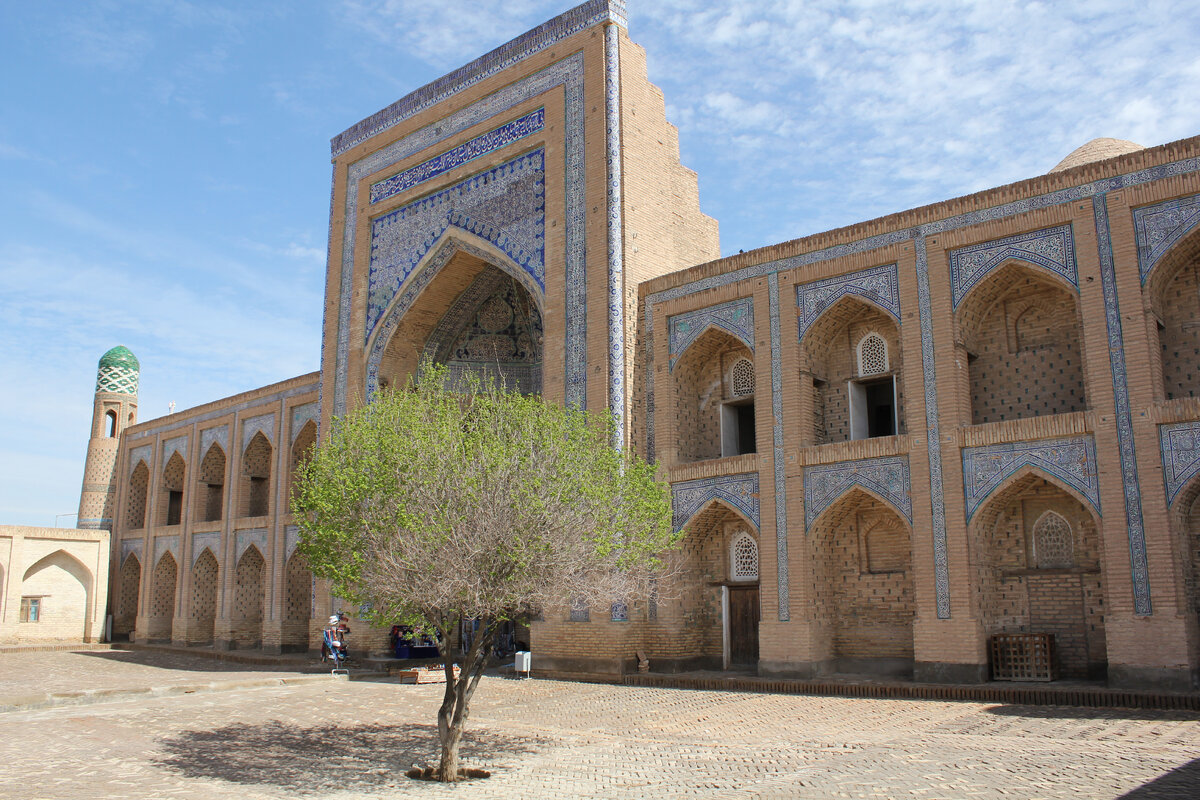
(1159, 227)
(887, 477)
(1139, 569)
(455, 157)
(781, 522)
(739, 491)
(1071, 460)
(1180, 444)
(878, 285)
(1051, 248)
(210, 540)
(735, 318)
(616, 244)
(504, 205)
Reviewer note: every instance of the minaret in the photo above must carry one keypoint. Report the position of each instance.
(114, 409)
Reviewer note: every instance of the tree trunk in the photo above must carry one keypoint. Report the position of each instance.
(452, 715)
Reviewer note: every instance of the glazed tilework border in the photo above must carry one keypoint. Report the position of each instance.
(1180, 446)
(254, 536)
(1159, 227)
(781, 544)
(219, 435)
(131, 546)
(739, 491)
(167, 544)
(455, 157)
(735, 318)
(186, 420)
(933, 434)
(1139, 569)
(1071, 460)
(209, 539)
(144, 453)
(402, 238)
(178, 444)
(917, 235)
(545, 35)
(567, 73)
(616, 244)
(887, 477)
(301, 415)
(879, 285)
(1050, 248)
(262, 423)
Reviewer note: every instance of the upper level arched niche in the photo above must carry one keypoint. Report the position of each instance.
(474, 318)
(1020, 328)
(1173, 295)
(715, 385)
(850, 361)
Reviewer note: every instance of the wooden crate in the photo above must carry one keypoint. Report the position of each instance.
(1023, 657)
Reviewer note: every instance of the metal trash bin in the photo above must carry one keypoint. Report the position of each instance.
(522, 661)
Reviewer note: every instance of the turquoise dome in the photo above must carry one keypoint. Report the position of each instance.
(119, 356)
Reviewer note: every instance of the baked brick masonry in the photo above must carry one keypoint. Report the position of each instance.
(887, 443)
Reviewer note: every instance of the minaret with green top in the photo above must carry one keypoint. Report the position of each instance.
(114, 409)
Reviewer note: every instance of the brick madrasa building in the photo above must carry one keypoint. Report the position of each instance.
(888, 443)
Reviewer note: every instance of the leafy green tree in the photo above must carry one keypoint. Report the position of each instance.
(446, 502)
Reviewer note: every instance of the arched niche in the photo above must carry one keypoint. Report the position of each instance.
(63, 586)
(249, 592)
(714, 412)
(255, 490)
(1020, 334)
(139, 486)
(1173, 294)
(297, 603)
(303, 447)
(1185, 520)
(170, 506)
(129, 581)
(161, 609)
(864, 602)
(206, 576)
(852, 397)
(1017, 593)
(211, 485)
(441, 304)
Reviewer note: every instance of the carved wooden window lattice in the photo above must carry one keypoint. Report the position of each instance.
(743, 557)
(742, 378)
(1052, 542)
(872, 355)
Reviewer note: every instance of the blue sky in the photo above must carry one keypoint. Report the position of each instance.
(164, 166)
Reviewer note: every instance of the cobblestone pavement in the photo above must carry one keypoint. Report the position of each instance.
(549, 739)
(36, 672)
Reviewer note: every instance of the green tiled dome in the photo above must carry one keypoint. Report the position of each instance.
(119, 356)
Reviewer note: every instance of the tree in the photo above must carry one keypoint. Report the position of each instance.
(447, 502)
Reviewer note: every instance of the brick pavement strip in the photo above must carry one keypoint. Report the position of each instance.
(564, 740)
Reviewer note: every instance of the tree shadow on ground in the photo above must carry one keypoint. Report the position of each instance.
(1181, 783)
(325, 759)
(1079, 712)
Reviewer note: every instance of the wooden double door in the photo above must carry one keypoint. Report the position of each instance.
(743, 625)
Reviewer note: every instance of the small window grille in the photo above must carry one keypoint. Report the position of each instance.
(1052, 543)
(31, 609)
(743, 555)
(872, 355)
(742, 378)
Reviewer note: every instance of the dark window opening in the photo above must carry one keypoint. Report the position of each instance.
(872, 408)
(737, 429)
(258, 497)
(212, 501)
(110, 424)
(174, 507)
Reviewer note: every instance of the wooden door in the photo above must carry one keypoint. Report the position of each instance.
(743, 624)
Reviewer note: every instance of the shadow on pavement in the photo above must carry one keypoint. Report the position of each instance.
(199, 662)
(1076, 712)
(1181, 783)
(322, 760)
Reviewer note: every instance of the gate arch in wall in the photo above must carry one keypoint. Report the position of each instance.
(863, 596)
(1017, 594)
(67, 587)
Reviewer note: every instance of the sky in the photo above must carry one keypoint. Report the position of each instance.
(164, 164)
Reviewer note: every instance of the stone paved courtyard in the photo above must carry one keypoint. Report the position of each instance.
(563, 740)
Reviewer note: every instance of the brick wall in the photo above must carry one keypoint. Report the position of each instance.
(135, 510)
(126, 608)
(162, 598)
(297, 602)
(203, 606)
(248, 594)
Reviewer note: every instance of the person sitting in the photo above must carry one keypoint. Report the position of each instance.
(334, 645)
